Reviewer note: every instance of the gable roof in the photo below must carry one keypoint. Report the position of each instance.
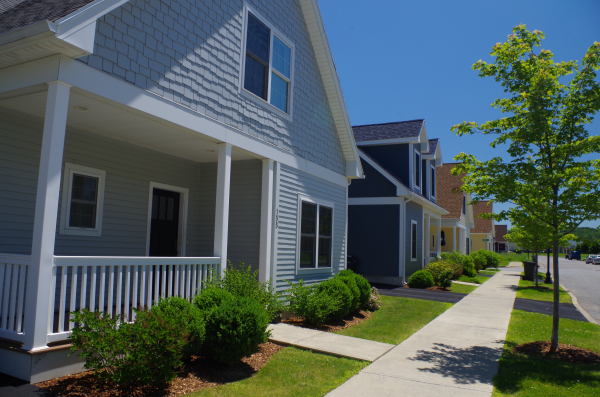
(15, 14)
(395, 130)
(433, 144)
(482, 225)
(501, 230)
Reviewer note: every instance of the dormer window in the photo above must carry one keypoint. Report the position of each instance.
(464, 205)
(432, 181)
(268, 65)
(417, 166)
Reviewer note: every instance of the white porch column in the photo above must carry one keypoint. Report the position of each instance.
(222, 204)
(266, 221)
(37, 307)
(453, 238)
(439, 237)
(427, 238)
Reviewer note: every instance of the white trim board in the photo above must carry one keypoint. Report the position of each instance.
(319, 202)
(183, 215)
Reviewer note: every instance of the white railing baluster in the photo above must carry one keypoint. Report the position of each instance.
(93, 290)
(83, 293)
(176, 278)
(73, 294)
(194, 275)
(156, 283)
(203, 285)
(134, 295)
(62, 301)
(188, 272)
(111, 286)
(143, 287)
(171, 270)
(21, 297)
(101, 306)
(149, 294)
(13, 298)
(181, 280)
(119, 289)
(52, 301)
(5, 296)
(126, 315)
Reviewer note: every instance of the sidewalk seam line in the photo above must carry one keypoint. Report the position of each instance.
(426, 383)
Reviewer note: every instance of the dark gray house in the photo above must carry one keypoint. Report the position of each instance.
(394, 221)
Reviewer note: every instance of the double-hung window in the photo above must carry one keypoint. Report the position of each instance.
(417, 166)
(82, 200)
(267, 65)
(316, 234)
(413, 240)
(464, 205)
(432, 181)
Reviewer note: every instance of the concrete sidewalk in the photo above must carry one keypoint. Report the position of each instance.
(454, 355)
(326, 342)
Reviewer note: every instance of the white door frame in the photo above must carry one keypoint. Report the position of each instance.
(183, 211)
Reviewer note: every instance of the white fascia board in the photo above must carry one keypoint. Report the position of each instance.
(333, 89)
(429, 205)
(392, 141)
(423, 138)
(45, 28)
(101, 86)
(437, 156)
(401, 190)
(85, 16)
(375, 200)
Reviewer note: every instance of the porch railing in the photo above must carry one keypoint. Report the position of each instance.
(433, 254)
(13, 284)
(116, 285)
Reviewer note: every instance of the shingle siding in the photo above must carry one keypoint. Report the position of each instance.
(394, 158)
(414, 212)
(373, 238)
(189, 52)
(374, 184)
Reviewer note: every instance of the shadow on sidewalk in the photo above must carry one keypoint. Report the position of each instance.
(475, 364)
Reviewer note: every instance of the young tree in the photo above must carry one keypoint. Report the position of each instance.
(546, 114)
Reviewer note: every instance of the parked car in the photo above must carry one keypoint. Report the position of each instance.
(590, 258)
(573, 255)
(596, 260)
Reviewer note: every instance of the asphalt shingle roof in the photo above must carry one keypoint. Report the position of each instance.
(16, 14)
(433, 143)
(401, 129)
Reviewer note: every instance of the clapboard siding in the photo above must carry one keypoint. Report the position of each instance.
(414, 212)
(292, 183)
(373, 185)
(394, 158)
(373, 239)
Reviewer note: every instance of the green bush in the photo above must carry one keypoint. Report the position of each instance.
(235, 329)
(479, 259)
(312, 305)
(362, 284)
(335, 288)
(193, 318)
(350, 282)
(492, 259)
(242, 282)
(210, 298)
(442, 272)
(453, 257)
(468, 266)
(421, 279)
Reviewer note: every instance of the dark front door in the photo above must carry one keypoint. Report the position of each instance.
(164, 226)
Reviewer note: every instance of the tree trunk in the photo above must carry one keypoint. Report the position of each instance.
(555, 318)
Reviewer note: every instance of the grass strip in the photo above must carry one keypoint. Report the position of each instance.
(476, 279)
(397, 319)
(544, 292)
(462, 289)
(524, 376)
(292, 372)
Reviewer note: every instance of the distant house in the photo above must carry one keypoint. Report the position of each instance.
(457, 224)
(394, 220)
(500, 243)
(483, 233)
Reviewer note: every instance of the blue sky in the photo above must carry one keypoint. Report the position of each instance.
(404, 60)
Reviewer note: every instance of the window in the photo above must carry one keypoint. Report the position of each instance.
(432, 181)
(413, 240)
(82, 201)
(464, 205)
(267, 65)
(316, 232)
(417, 166)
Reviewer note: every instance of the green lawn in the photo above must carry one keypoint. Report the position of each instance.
(491, 271)
(397, 319)
(560, 255)
(463, 289)
(476, 279)
(523, 376)
(507, 258)
(544, 292)
(292, 372)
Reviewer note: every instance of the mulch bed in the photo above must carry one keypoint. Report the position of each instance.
(568, 353)
(346, 322)
(196, 374)
(434, 288)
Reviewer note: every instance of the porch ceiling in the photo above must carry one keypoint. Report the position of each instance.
(116, 122)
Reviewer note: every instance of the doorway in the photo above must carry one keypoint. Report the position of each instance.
(166, 220)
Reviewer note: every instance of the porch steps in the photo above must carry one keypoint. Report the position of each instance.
(326, 342)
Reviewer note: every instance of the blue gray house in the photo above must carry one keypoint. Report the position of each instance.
(145, 143)
(394, 222)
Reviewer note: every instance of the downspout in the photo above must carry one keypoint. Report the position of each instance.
(403, 230)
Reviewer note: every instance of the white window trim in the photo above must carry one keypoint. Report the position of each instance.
(431, 182)
(247, 94)
(319, 202)
(183, 211)
(414, 176)
(65, 212)
(416, 251)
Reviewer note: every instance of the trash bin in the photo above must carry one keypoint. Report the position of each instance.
(529, 271)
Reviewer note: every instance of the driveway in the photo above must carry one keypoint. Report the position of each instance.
(582, 280)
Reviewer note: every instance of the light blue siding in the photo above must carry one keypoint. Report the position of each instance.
(414, 212)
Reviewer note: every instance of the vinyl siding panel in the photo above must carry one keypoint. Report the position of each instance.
(414, 212)
(292, 183)
(394, 158)
(374, 238)
(374, 184)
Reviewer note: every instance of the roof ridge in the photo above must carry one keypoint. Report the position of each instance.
(391, 122)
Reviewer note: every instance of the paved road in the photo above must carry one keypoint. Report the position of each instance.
(583, 280)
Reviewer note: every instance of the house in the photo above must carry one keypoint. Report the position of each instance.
(457, 224)
(393, 217)
(500, 243)
(483, 233)
(145, 143)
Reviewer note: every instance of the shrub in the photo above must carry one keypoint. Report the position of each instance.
(479, 260)
(362, 284)
(312, 305)
(374, 300)
(193, 318)
(335, 288)
(210, 298)
(441, 271)
(235, 329)
(421, 279)
(453, 257)
(468, 266)
(350, 282)
(492, 259)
